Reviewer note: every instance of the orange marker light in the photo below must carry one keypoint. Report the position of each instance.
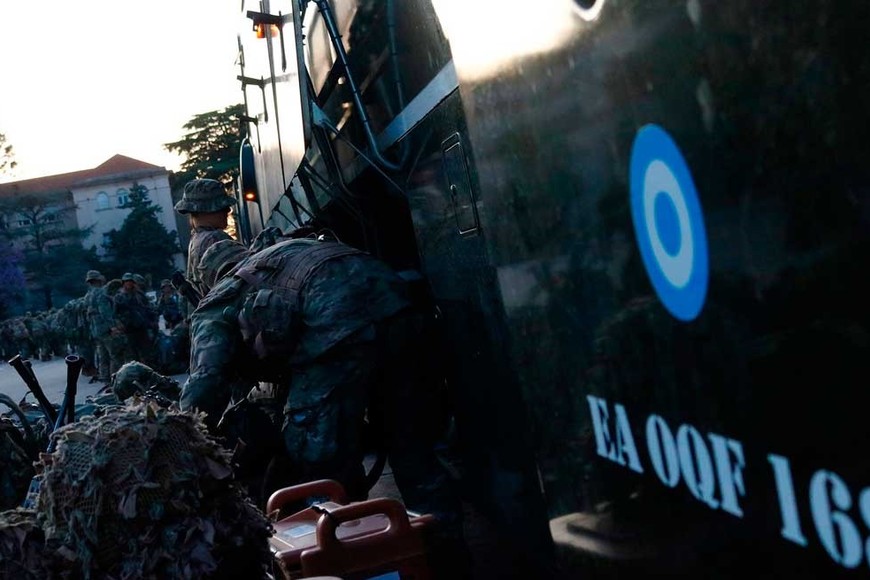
(260, 27)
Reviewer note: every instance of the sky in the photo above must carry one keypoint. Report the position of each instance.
(88, 79)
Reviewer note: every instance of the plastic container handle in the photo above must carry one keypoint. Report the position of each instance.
(328, 523)
(321, 487)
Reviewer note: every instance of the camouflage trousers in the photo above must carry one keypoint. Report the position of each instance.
(138, 346)
(102, 357)
(386, 378)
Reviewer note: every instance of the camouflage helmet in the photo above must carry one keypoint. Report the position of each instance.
(164, 283)
(94, 275)
(204, 196)
(135, 378)
(127, 277)
(219, 259)
(112, 286)
(139, 279)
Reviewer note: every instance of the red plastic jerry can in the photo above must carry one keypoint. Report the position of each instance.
(392, 545)
(296, 532)
(385, 543)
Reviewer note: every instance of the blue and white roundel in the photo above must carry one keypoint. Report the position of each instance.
(668, 222)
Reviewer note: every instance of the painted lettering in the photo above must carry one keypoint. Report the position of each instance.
(864, 506)
(791, 525)
(696, 465)
(662, 451)
(829, 499)
(622, 450)
(728, 455)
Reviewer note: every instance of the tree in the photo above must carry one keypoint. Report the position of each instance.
(210, 146)
(53, 257)
(7, 156)
(142, 244)
(12, 282)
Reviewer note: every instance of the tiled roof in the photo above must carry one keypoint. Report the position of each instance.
(117, 167)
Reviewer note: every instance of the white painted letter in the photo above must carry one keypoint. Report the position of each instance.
(662, 450)
(730, 472)
(603, 443)
(864, 503)
(827, 488)
(791, 524)
(692, 448)
(625, 441)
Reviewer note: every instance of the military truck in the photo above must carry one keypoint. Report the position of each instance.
(642, 224)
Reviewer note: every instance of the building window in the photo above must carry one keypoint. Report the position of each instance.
(123, 196)
(102, 200)
(23, 223)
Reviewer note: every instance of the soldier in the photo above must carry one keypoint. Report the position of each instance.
(7, 342)
(25, 336)
(336, 329)
(38, 328)
(100, 314)
(169, 305)
(207, 204)
(134, 318)
(116, 342)
(217, 261)
(172, 340)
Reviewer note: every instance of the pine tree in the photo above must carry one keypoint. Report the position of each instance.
(142, 244)
(210, 146)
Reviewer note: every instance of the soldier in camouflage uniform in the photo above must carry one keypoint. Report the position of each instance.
(23, 335)
(134, 319)
(169, 305)
(55, 333)
(101, 318)
(39, 332)
(7, 342)
(207, 204)
(335, 327)
(117, 341)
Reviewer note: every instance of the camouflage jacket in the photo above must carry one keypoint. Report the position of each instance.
(100, 312)
(341, 298)
(170, 308)
(133, 311)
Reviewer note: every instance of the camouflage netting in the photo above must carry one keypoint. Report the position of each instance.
(16, 466)
(22, 546)
(145, 492)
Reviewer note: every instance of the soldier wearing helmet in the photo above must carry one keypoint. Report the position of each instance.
(217, 261)
(207, 204)
(100, 318)
(135, 320)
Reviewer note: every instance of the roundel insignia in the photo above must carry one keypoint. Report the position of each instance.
(668, 223)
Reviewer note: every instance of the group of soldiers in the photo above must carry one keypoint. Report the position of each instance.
(305, 354)
(114, 322)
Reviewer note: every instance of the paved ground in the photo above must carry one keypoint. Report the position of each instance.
(52, 376)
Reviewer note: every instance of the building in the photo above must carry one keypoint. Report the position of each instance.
(97, 196)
